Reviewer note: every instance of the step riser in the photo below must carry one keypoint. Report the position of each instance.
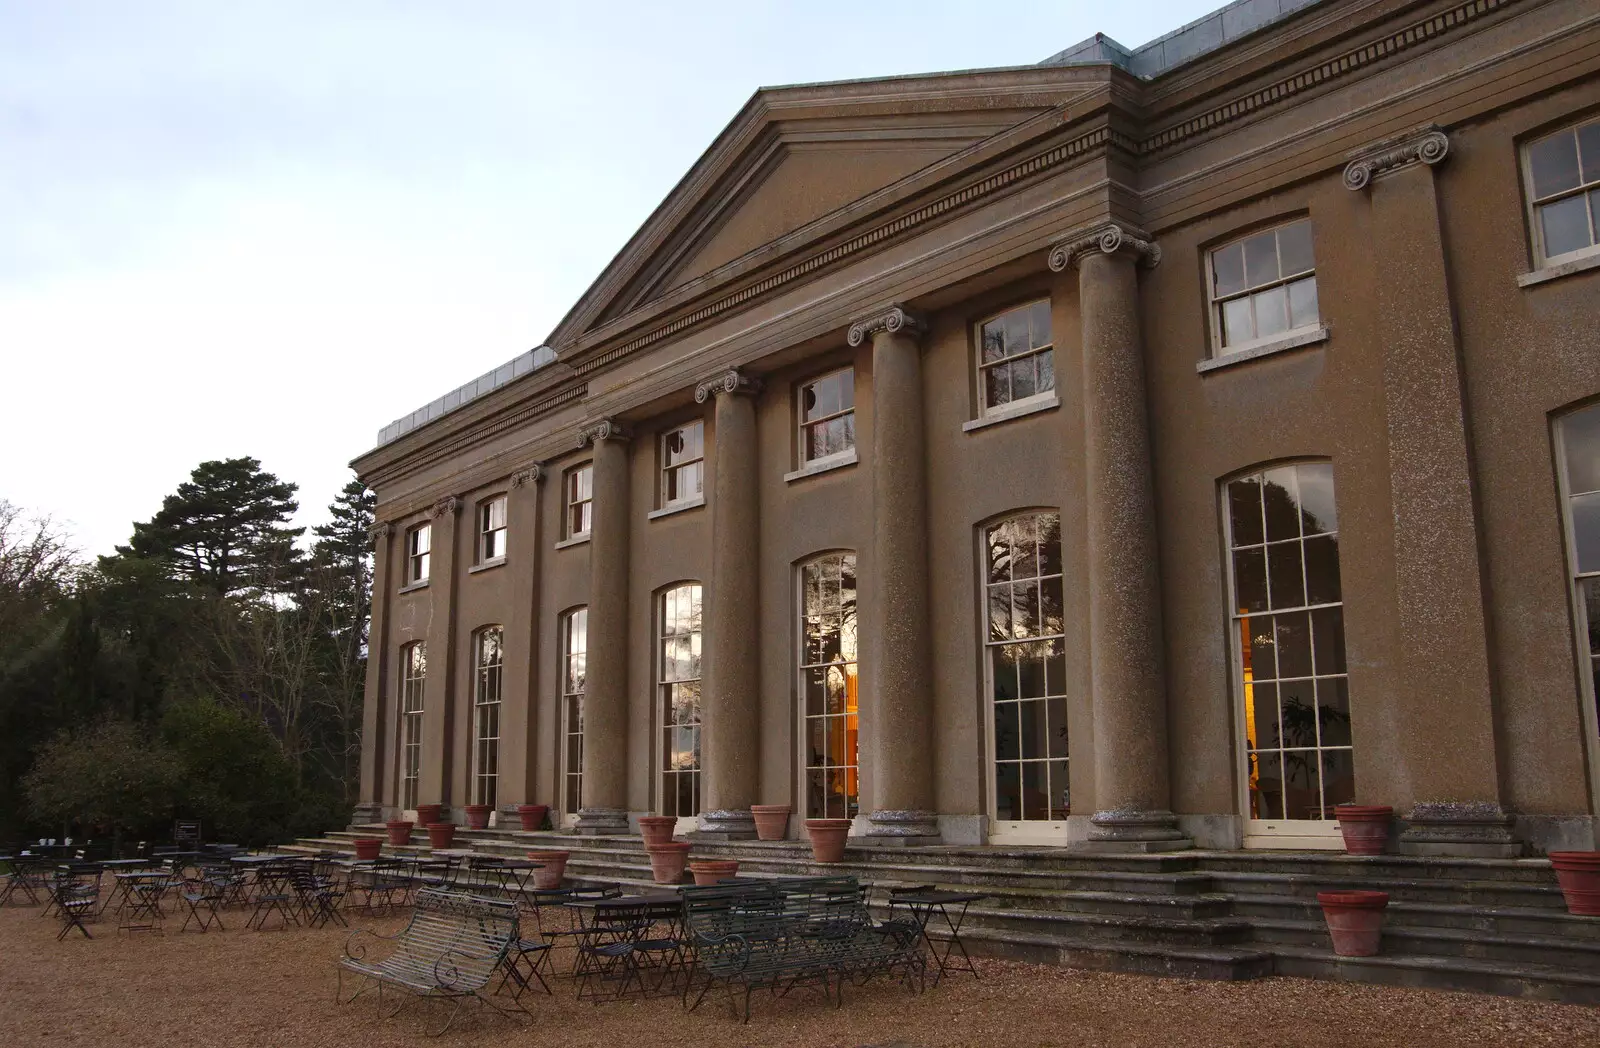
(1114, 961)
(1403, 942)
(1554, 926)
(1090, 930)
(1480, 982)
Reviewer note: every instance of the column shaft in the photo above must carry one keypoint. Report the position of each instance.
(375, 708)
(439, 690)
(519, 711)
(605, 701)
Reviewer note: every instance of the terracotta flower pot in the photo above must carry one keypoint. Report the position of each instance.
(827, 838)
(1365, 827)
(441, 835)
(656, 829)
(532, 816)
(772, 821)
(1355, 920)
(555, 867)
(667, 861)
(478, 816)
(369, 847)
(399, 832)
(1579, 874)
(428, 814)
(714, 871)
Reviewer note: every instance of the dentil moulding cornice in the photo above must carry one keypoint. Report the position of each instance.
(895, 319)
(731, 381)
(1108, 238)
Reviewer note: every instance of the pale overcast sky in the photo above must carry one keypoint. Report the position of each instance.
(269, 228)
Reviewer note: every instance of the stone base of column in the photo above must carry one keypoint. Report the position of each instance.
(727, 825)
(899, 829)
(1472, 829)
(1136, 831)
(602, 822)
(366, 813)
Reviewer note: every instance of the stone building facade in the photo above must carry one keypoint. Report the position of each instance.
(1141, 449)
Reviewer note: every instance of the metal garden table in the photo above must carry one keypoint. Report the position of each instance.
(951, 909)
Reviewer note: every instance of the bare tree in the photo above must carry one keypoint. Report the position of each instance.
(37, 566)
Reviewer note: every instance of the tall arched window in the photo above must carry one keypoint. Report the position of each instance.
(1287, 626)
(488, 663)
(678, 670)
(574, 674)
(1027, 669)
(1580, 481)
(830, 711)
(413, 675)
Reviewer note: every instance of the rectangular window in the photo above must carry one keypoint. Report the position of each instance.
(1287, 625)
(580, 501)
(683, 452)
(1562, 175)
(492, 529)
(418, 542)
(828, 416)
(1580, 482)
(574, 674)
(1025, 641)
(679, 672)
(1016, 358)
(831, 716)
(490, 658)
(1263, 288)
(413, 674)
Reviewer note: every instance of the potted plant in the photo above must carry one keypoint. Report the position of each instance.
(532, 816)
(428, 814)
(1579, 874)
(714, 871)
(478, 816)
(1365, 827)
(368, 847)
(656, 829)
(1355, 920)
(441, 835)
(827, 838)
(399, 831)
(772, 821)
(667, 860)
(554, 866)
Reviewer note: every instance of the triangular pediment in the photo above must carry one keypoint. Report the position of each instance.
(800, 163)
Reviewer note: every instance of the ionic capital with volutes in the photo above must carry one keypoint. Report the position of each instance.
(448, 506)
(731, 381)
(1428, 145)
(894, 319)
(379, 532)
(528, 475)
(603, 429)
(1107, 238)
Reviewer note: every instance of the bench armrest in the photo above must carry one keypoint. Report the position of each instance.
(355, 945)
(732, 948)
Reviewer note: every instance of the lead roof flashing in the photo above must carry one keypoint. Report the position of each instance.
(1184, 44)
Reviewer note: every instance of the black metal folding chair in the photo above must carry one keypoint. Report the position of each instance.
(275, 892)
(319, 900)
(28, 874)
(75, 895)
(205, 898)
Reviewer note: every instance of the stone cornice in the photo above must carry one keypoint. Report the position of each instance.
(894, 319)
(602, 429)
(731, 381)
(1428, 145)
(531, 475)
(448, 506)
(1109, 238)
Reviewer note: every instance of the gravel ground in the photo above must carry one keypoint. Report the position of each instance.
(240, 988)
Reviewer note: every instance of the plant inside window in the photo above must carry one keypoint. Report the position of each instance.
(683, 452)
(1263, 287)
(828, 417)
(1564, 187)
(1016, 358)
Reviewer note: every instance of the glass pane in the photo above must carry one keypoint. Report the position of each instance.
(1566, 225)
(1292, 634)
(1589, 150)
(1005, 673)
(1322, 570)
(816, 690)
(836, 690)
(846, 380)
(1302, 791)
(997, 386)
(1039, 322)
(1025, 609)
(1338, 780)
(994, 341)
(1250, 580)
(1266, 787)
(1586, 530)
(1317, 510)
(1025, 548)
(1000, 613)
(1060, 795)
(1056, 720)
(822, 397)
(1282, 503)
(1262, 700)
(1049, 543)
(1046, 363)
(1227, 271)
(1257, 648)
(1055, 663)
(1327, 640)
(1244, 511)
(1236, 325)
(1022, 379)
(1272, 312)
(1554, 162)
(1050, 610)
(1035, 729)
(1030, 670)
(1294, 247)
(1283, 575)
(1007, 732)
(1016, 327)
(1303, 302)
(1007, 787)
(1297, 712)
(1580, 445)
(1261, 259)
(1591, 603)
(1333, 711)
(1035, 804)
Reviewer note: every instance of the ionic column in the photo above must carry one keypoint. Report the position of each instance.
(1128, 688)
(731, 698)
(518, 713)
(898, 704)
(605, 700)
(1442, 647)
(375, 718)
(439, 696)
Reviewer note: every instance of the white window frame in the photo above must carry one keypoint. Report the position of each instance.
(572, 688)
(803, 425)
(697, 430)
(1214, 304)
(488, 680)
(412, 694)
(489, 534)
(848, 664)
(570, 501)
(1586, 660)
(419, 554)
(664, 690)
(1531, 204)
(1015, 405)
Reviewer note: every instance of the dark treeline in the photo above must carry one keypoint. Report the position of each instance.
(212, 668)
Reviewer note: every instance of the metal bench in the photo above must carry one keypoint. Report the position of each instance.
(779, 935)
(450, 950)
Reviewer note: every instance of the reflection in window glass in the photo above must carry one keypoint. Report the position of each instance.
(1264, 286)
(580, 501)
(486, 714)
(419, 542)
(1580, 459)
(1016, 358)
(492, 530)
(683, 452)
(1564, 188)
(574, 675)
(828, 416)
(1027, 663)
(679, 675)
(1288, 623)
(828, 681)
(413, 674)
